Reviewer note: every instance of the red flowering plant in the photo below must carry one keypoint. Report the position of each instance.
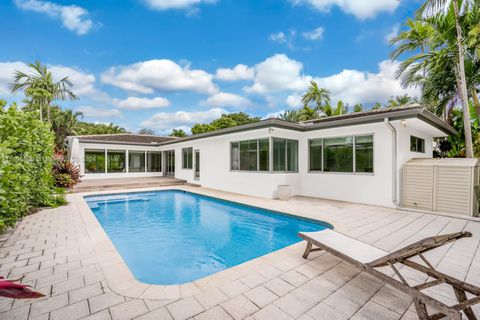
(10, 289)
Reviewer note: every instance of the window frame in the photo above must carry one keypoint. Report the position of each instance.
(185, 165)
(417, 139)
(100, 151)
(270, 155)
(354, 158)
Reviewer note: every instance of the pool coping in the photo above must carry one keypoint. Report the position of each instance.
(122, 281)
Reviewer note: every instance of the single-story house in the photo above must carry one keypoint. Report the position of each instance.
(355, 157)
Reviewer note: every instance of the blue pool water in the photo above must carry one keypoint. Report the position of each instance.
(173, 236)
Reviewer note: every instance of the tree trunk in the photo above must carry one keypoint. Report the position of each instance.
(462, 82)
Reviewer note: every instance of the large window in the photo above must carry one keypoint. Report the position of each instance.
(364, 154)
(187, 158)
(338, 154)
(154, 161)
(351, 154)
(115, 161)
(316, 147)
(417, 144)
(285, 155)
(94, 161)
(250, 155)
(136, 161)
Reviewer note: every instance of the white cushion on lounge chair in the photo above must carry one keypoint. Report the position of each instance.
(350, 247)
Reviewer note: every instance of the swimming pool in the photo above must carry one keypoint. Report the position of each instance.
(173, 236)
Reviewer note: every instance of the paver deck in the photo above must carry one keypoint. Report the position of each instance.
(58, 255)
(125, 183)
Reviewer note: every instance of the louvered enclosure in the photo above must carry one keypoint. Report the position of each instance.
(441, 185)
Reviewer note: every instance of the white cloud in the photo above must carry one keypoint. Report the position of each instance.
(273, 114)
(239, 72)
(362, 9)
(281, 80)
(83, 83)
(95, 112)
(393, 32)
(279, 37)
(314, 35)
(135, 103)
(278, 73)
(353, 86)
(223, 99)
(294, 100)
(181, 119)
(73, 17)
(175, 4)
(161, 75)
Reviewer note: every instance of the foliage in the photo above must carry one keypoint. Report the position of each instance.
(65, 173)
(26, 149)
(87, 128)
(444, 62)
(40, 88)
(178, 133)
(225, 121)
(146, 131)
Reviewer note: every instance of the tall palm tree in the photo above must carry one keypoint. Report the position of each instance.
(319, 97)
(441, 5)
(40, 87)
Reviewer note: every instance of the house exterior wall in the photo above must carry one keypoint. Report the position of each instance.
(84, 146)
(375, 188)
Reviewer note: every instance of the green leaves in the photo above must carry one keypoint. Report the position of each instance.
(26, 150)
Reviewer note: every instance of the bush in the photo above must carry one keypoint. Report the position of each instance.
(65, 173)
(26, 180)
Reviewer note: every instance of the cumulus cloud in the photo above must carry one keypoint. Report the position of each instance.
(278, 73)
(314, 35)
(294, 100)
(239, 72)
(135, 103)
(161, 75)
(73, 17)
(83, 83)
(223, 99)
(181, 119)
(175, 4)
(361, 9)
(281, 80)
(353, 86)
(95, 112)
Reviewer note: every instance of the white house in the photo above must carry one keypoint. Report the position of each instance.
(355, 157)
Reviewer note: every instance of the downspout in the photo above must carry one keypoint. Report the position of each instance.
(394, 161)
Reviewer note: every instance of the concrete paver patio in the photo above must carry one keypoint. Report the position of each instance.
(58, 256)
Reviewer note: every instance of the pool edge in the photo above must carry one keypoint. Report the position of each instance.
(122, 281)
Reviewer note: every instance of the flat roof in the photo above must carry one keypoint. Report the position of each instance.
(357, 118)
(125, 138)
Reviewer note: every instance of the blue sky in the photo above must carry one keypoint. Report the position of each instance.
(166, 64)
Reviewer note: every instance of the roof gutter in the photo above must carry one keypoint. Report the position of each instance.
(394, 160)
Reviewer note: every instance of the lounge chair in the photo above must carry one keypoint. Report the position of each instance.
(367, 258)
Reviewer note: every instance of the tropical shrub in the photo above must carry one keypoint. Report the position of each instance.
(65, 173)
(26, 150)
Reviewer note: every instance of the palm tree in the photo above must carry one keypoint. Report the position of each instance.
(290, 115)
(438, 6)
(329, 111)
(358, 107)
(319, 97)
(40, 87)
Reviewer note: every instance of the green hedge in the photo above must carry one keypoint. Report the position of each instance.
(26, 153)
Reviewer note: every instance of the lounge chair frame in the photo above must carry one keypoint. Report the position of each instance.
(402, 256)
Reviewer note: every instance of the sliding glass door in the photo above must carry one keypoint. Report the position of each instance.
(170, 163)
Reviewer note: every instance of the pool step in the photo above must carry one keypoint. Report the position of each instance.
(121, 183)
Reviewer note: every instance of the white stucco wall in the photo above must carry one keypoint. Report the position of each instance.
(370, 188)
